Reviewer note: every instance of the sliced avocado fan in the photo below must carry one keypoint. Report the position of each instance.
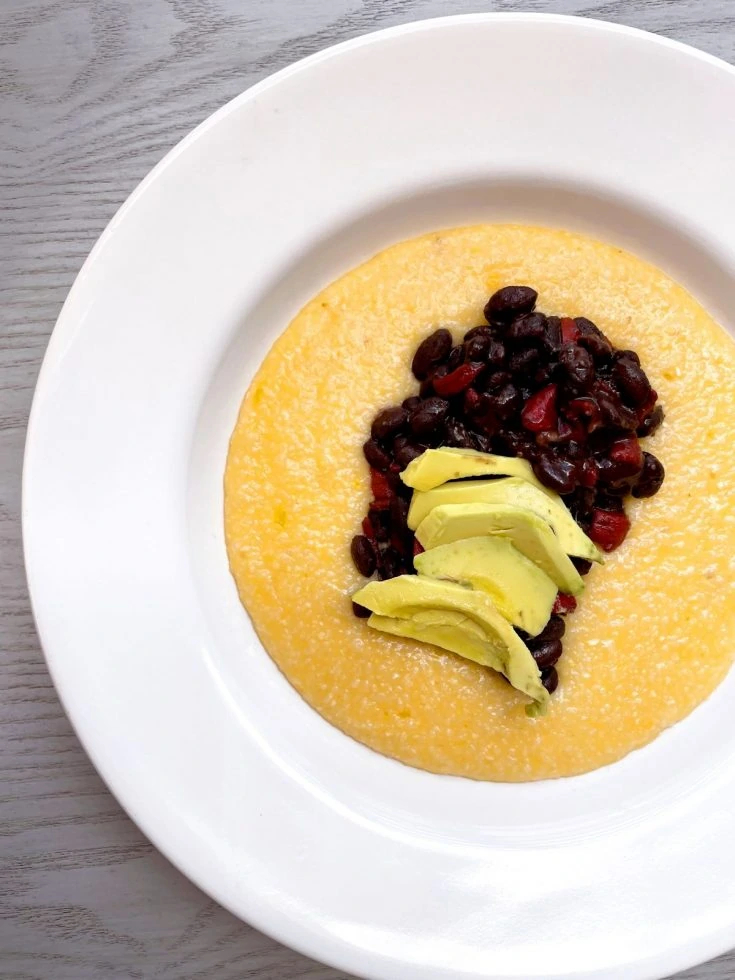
(458, 619)
(528, 532)
(523, 594)
(509, 490)
(436, 466)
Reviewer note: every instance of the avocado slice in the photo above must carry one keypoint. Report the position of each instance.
(531, 535)
(520, 590)
(436, 466)
(458, 619)
(509, 490)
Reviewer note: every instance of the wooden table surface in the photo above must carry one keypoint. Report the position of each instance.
(92, 94)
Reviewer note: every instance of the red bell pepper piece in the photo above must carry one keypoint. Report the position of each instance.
(608, 529)
(539, 413)
(457, 380)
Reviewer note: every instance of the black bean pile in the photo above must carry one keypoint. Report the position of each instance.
(552, 390)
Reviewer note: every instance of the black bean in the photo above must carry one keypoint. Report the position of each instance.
(497, 379)
(582, 565)
(481, 442)
(380, 523)
(651, 477)
(508, 302)
(478, 331)
(522, 363)
(554, 630)
(556, 473)
(620, 488)
(552, 334)
(509, 443)
(599, 441)
(393, 480)
(604, 500)
(506, 402)
(363, 555)
(398, 511)
(605, 468)
(529, 326)
(403, 491)
(591, 337)
(496, 354)
(410, 403)
(550, 679)
(622, 355)
(456, 357)
(575, 450)
(388, 422)
(407, 453)
(526, 449)
(613, 473)
(391, 563)
(431, 440)
(545, 374)
(547, 653)
(632, 382)
(360, 611)
(551, 437)
(614, 413)
(578, 367)
(477, 348)
(581, 503)
(650, 423)
(428, 417)
(375, 456)
(457, 435)
(430, 352)
(427, 385)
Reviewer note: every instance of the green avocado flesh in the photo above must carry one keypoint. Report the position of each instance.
(509, 490)
(437, 466)
(456, 618)
(531, 535)
(522, 593)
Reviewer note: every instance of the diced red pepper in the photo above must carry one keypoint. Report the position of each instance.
(584, 408)
(628, 455)
(457, 380)
(418, 548)
(472, 401)
(608, 529)
(382, 492)
(564, 604)
(569, 331)
(367, 528)
(539, 412)
(588, 474)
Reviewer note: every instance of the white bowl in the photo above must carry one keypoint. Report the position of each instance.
(378, 869)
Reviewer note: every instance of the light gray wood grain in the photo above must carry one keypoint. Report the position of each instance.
(92, 94)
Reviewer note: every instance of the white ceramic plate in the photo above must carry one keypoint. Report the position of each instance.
(381, 870)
